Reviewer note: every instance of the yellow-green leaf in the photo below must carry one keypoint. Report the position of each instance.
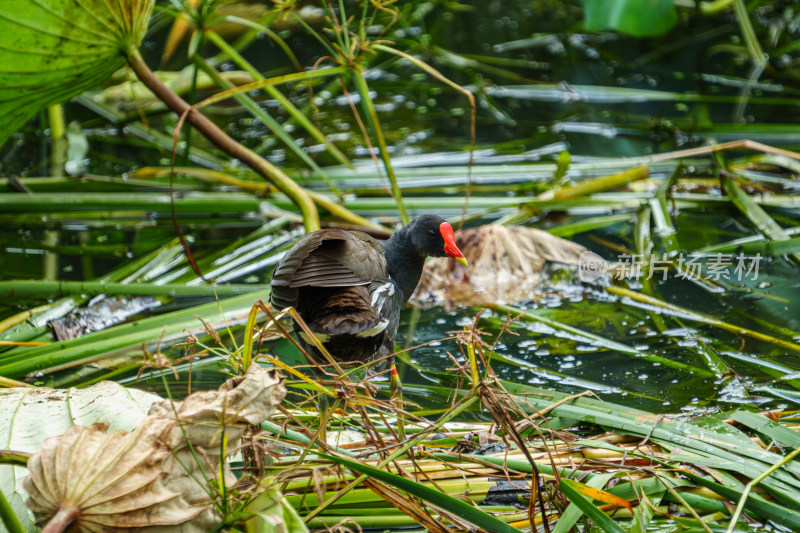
(601, 495)
(572, 490)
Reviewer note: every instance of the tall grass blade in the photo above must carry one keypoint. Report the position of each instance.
(571, 490)
(9, 518)
(698, 317)
(772, 511)
(288, 106)
(372, 116)
(573, 512)
(756, 214)
(448, 503)
(774, 431)
(14, 289)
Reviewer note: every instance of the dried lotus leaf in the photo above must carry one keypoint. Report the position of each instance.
(148, 479)
(110, 481)
(505, 266)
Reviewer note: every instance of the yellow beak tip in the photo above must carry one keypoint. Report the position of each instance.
(462, 260)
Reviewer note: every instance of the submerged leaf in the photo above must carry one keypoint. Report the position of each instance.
(505, 266)
(156, 475)
(52, 50)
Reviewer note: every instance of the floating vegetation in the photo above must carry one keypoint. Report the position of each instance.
(141, 221)
(505, 266)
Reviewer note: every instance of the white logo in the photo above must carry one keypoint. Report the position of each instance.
(591, 266)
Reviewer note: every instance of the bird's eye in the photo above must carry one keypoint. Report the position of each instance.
(431, 233)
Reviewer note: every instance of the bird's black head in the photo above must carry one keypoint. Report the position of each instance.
(431, 236)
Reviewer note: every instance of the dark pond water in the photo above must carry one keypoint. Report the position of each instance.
(541, 87)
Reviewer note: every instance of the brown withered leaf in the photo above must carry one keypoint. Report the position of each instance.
(505, 266)
(150, 479)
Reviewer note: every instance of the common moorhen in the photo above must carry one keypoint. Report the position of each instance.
(349, 288)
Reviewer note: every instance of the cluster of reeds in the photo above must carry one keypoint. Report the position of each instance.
(546, 461)
(558, 458)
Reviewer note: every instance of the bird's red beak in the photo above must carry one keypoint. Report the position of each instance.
(450, 247)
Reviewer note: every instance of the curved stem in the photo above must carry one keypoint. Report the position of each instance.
(473, 116)
(62, 520)
(7, 516)
(216, 176)
(372, 115)
(340, 211)
(753, 482)
(212, 132)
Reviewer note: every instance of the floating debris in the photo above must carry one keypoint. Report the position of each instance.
(505, 266)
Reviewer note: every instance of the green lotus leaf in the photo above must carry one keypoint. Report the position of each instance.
(641, 18)
(51, 50)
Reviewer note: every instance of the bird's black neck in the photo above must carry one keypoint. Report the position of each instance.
(404, 262)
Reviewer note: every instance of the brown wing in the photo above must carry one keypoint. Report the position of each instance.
(326, 258)
(323, 271)
(346, 312)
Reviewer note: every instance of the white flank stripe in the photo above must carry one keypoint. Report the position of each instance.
(387, 289)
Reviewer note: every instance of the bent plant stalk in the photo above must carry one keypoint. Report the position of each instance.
(372, 117)
(212, 132)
